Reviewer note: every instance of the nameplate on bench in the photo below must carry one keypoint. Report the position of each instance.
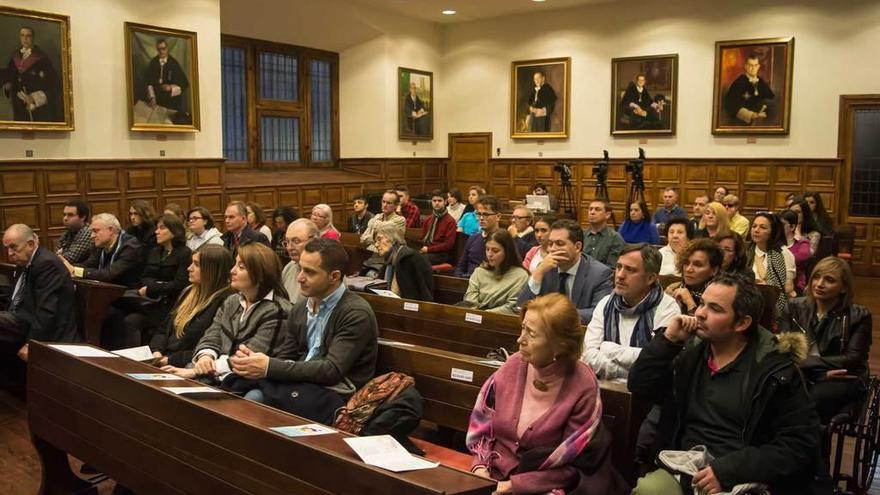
(473, 318)
(462, 375)
(410, 306)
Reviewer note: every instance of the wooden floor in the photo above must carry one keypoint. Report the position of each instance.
(20, 467)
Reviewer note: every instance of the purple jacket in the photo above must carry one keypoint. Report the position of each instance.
(474, 254)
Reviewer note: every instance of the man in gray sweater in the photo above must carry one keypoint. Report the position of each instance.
(331, 342)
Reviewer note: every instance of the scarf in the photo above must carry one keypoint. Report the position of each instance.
(429, 237)
(644, 310)
(776, 276)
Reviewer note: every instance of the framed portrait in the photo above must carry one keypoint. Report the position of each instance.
(163, 79)
(539, 98)
(644, 95)
(753, 86)
(415, 109)
(35, 78)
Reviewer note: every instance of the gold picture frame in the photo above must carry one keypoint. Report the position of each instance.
(644, 95)
(34, 95)
(162, 96)
(536, 112)
(753, 84)
(415, 104)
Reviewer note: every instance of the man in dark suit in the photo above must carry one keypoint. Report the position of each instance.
(542, 102)
(118, 257)
(42, 306)
(748, 97)
(415, 113)
(238, 232)
(166, 82)
(568, 271)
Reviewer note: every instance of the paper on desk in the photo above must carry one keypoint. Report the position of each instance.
(384, 292)
(154, 376)
(141, 353)
(303, 430)
(192, 390)
(82, 350)
(491, 362)
(383, 451)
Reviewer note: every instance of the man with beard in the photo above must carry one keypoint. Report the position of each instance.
(438, 233)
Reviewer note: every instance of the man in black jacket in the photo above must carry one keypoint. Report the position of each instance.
(42, 306)
(117, 258)
(238, 232)
(734, 388)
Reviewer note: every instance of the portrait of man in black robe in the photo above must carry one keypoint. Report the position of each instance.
(31, 83)
(749, 99)
(165, 83)
(541, 104)
(415, 114)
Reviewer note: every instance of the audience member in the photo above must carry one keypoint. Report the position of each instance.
(176, 210)
(601, 242)
(282, 218)
(772, 263)
(698, 263)
(257, 220)
(388, 216)
(693, 226)
(719, 194)
(798, 247)
(238, 231)
(453, 204)
(201, 225)
(736, 391)
(541, 189)
(406, 208)
(735, 259)
(738, 223)
(407, 273)
(789, 199)
(142, 218)
(536, 426)
(474, 193)
(299, 233)
(639, 227)
(117, 257)
(489, 214)
(669, 210)
(322, 216)
(824, 223)
(496, 283)
(76, 242)
(208, 276)
(714, 222)
(43, 304)
(521, 229)
(536, 254)
(569, 271)
(806, 224)
(358, 220)
(438, 232)
(677, 240)
(839, 334)
(625, 320)
(330, 347)
(468, 223)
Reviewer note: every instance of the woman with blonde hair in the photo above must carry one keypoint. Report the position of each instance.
(322, 215)
(536, 426)
(715, 221)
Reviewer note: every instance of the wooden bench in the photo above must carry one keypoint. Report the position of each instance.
(153, 441)
(448, 289)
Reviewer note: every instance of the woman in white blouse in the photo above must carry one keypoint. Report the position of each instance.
(677, 240)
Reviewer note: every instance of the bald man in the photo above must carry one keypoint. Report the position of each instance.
(42, 305)
(298, 234)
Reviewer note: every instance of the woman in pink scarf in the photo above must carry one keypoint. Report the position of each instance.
(536, 426)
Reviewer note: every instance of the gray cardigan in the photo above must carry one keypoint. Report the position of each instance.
(347, 359)
(260, 330)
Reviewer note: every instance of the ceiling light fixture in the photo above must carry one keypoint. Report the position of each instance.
(538, 1)
(448, 12)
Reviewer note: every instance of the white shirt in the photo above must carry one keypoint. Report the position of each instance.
(669, 257)
(610, 360)
(535, 287)
(790, 268)
(536, 260)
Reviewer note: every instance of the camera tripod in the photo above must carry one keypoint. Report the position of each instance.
(637, 186)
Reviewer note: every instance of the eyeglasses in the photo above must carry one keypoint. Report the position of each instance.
(485, 214)
(728, 205)
(293, 242)
(193, 219)
(514, 217)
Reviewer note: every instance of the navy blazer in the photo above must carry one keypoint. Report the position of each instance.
(592, 282)
(48, 309)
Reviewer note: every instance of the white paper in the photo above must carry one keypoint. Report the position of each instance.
(142, 353)
(462, 375)
(304, 430)
(473, 318)
(384, 292)
(491, 362)
(410, 306)
(82, 350)
(192, 390)
(221, 364)
(154, 376)
(383, 451)
(394, 342)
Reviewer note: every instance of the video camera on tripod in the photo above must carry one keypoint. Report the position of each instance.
(600, 169)
(636, 168)
(564, 169)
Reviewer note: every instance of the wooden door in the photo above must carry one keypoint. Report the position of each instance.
(859, 148)
(469, 155)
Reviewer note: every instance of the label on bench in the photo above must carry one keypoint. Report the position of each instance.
(463, 375)
(473, 318)
(411, 306)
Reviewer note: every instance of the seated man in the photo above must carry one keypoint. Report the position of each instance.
(738, 223)
(43, 304)
(238, 232)
(625, 320)
(569, 271)
(357, 222)
(439, 231)
(601, 242)
(407, 208)
(522, 231)
(541, 189)
(331, 345)
(669, 210)
(488, 214)
(75, 244)
(737, 391)
(390, 199)
(298, 234)
(117, 258)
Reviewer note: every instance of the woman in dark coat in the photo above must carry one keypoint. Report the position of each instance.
(407, 272)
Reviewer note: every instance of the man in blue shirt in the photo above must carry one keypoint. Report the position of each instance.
(488, 210)
(669, 210)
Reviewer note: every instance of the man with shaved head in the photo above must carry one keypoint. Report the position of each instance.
(42, 302)
(298, 234)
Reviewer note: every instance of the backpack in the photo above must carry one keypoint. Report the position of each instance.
(360, 407)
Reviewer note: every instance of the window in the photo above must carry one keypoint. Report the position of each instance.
(281, 103)
(865, 196)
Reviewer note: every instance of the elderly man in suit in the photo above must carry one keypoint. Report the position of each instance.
(238, 232)
(569, 271)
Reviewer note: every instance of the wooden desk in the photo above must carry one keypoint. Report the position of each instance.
(155, 442)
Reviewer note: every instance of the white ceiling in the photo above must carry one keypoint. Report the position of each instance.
(468, 10)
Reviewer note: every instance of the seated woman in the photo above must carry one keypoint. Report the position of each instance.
(407, 272)
(715, 221)
(698, 263)
(839, 331)
(495, 285)
(823, 221)
(806, 225)
(772, 263)
(142, 226)
(537, 253)
(256, 219)
(196, 307)
(322, 215)
(453, 204)
(468, 223)
(799, 247)
(253, 317)
(536, 426)
(734, 249)
(201, 225)
(282, 218)
(639, 227)
(677, 235)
